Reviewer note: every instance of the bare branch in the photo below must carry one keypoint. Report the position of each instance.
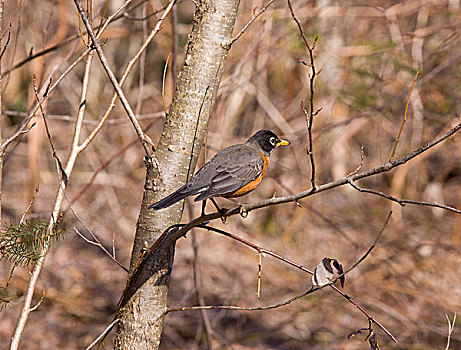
(245, 308)
(31, 202)
(143, 138)
(198, 289)
(403, 120)
(26, 307)
(402, 202)
(312, 113)
(61, 173)
(39, 303)
(362, 161)
(373, 245)
(98, 244)
(375, 171)
(245, 27)
(128, 68)
(451, 327)
(103, 334)
(69, 118)
(163, 83)
(142, 65)
(22, 129)
(260, 268)
(6, 44)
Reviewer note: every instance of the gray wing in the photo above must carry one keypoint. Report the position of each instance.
(240, 168)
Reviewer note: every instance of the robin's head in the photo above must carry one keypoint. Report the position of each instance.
(267, 140)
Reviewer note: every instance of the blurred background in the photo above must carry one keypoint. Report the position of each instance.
(367, 53)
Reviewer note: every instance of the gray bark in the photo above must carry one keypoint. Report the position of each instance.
(143, 309)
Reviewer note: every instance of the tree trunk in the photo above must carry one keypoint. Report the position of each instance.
(142, 316)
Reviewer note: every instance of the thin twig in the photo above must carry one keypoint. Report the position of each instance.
(373, 245)
(125, 74)
(201, 300)
(68, 118)
(245, 27)
(38, 54)
(257, 248)
(143, 138)
(245, 308)
(61, 172)
(83, 96)
(22, 129)
(101, 168)
(39, 303)
(102, 17)
(189, 168)
(451, 327)
(403, 120)
(362, 161)
(163, 83)
(174, 45)
(358, 306)
(103, 333)
(260, 268)
(31, 202)
(142, 65)
(6, 44)
(312, 113)
(402, 202)
(152, 14)
(97, 243)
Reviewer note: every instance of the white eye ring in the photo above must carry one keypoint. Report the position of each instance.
(272, 141)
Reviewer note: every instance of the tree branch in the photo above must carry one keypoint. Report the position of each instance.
(260, 250)
(312, 113)
(402, 202)
(143, 138)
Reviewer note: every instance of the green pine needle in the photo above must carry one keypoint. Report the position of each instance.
(22, 244)
(6, 299)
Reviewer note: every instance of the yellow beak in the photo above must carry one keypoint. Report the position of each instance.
(283, 143)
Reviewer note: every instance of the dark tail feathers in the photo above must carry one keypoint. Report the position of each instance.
(173, 198)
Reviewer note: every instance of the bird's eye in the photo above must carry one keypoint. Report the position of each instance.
(272, 140)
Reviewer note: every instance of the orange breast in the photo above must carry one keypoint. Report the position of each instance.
(252, 184)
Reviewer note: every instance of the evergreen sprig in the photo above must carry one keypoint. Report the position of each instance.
(22, 244)
(6, 299)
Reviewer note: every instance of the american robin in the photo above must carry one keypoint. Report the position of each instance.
(232, 172)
